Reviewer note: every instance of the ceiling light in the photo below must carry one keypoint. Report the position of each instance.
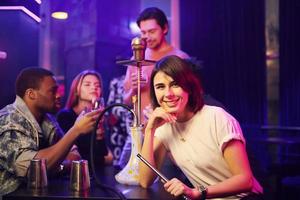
(60, 15)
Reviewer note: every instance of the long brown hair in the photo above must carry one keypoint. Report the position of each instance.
(73, 97)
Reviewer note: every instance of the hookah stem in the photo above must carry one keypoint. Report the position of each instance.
(134, 102)
(139, 72)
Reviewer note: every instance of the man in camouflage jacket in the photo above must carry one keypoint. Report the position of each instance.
(27, 131)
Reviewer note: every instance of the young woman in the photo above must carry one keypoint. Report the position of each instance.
(86, 88)
(204, 141)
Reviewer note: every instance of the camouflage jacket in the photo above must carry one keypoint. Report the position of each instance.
(21, 137)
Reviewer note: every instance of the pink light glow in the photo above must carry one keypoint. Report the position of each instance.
(134, 28)
(3, 55)
(38, 1)
(22, 8)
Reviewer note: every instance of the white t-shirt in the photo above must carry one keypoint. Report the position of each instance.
(197, 145)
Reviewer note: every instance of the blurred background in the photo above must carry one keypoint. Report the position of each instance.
(248, 49)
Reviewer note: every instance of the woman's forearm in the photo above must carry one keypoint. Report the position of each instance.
(232, 186)
(146, 175)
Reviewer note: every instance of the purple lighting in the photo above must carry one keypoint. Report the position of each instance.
(22, 8)
(3, 55)
(134, 28)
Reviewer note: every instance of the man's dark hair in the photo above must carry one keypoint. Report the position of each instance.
(30, 78)
(153, 13)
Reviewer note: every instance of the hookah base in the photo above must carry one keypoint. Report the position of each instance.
(128, 176)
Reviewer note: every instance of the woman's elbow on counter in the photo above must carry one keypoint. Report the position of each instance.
(248, 184)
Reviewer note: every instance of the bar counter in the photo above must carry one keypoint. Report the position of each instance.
(58, 188)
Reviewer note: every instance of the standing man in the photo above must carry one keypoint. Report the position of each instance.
(154, 27)
(27, 130)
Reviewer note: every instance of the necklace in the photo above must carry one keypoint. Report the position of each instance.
(182, 129)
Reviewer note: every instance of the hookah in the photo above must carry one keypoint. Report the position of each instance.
(129, 175)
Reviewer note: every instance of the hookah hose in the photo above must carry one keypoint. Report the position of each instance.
(92, 143)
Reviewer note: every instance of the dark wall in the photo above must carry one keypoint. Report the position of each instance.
(114, 37)
(19, 36)
(95, 38)
(228, 36)
(289, 39)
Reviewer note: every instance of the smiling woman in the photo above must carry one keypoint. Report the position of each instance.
(169, 95)
(176, 73)
(205, 141)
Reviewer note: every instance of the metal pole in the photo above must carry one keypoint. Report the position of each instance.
(139, 72)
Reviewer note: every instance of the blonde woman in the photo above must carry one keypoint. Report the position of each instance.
(85, 88)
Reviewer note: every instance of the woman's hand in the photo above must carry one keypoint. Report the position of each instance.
(159, 117)
(176, 188)
(100, 131)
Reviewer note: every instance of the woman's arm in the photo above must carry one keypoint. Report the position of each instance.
(154, 152)
(236, 157)
(242, 180)
(153, 149)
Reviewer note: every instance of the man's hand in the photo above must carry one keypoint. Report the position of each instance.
(85, 122)
(134, 84)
